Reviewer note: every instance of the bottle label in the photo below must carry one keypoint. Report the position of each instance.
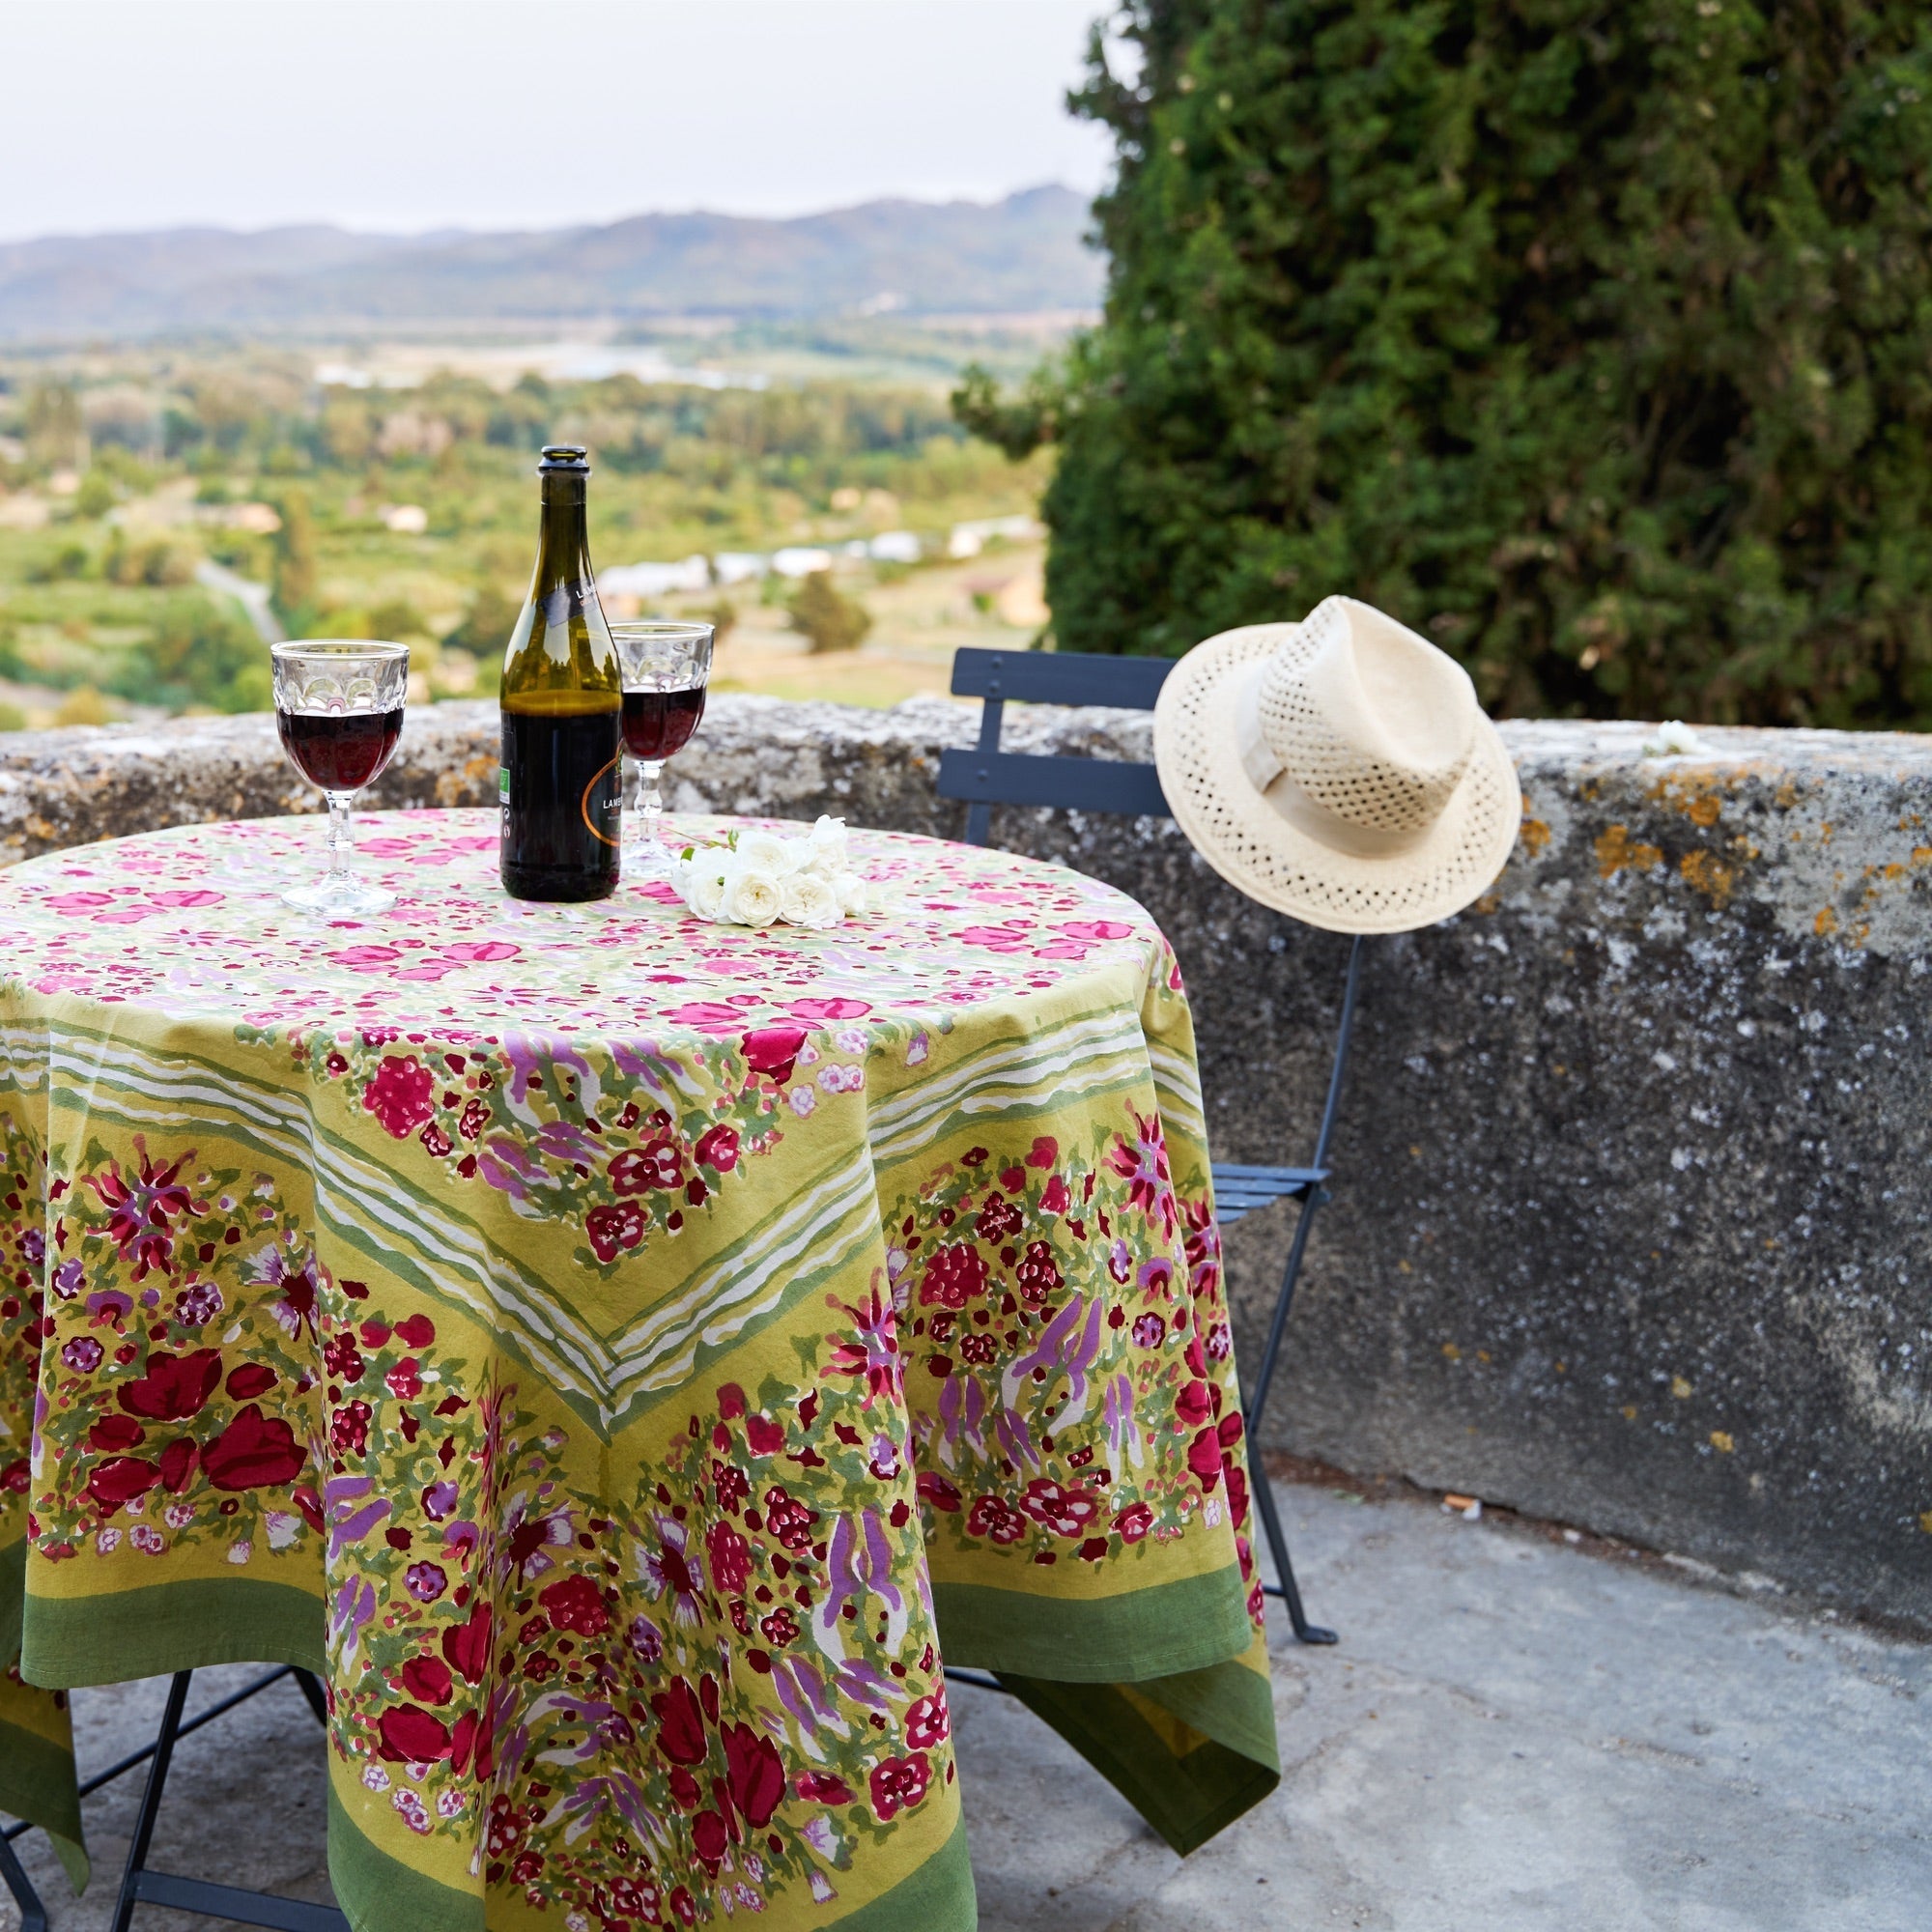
(504, 785)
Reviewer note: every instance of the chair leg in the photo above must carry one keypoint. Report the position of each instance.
(12, 1874)
(1263, 1496)
(1258, 1393)
(150, 1798)
(1287, 1590)
(1284, 1301)
(317, 1699)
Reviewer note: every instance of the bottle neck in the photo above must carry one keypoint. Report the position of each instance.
(562, 643)
(564, 538)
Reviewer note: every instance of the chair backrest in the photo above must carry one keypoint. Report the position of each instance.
(987, 776)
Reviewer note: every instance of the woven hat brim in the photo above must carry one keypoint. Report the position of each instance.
(1275, 860)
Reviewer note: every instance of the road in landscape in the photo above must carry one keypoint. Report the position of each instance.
(252, 597)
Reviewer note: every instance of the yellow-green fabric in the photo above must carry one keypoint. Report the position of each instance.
(626, 1357)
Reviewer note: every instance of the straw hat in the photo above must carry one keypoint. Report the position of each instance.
(1339, 769)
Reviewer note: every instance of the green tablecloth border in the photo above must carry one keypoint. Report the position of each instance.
(362, 1874)
(937, 1897)
(1166, 1632)
(13, 1596)
(1220, 1702)
(37, 1778)
(1163, 1630)
(1187, 1799)
(187, 1624)
(37, 1783)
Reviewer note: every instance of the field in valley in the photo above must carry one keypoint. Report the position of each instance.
(163, 507)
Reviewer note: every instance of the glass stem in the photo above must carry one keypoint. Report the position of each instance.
(341, 838)
(651, 800)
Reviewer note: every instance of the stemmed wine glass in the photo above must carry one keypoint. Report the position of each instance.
(666, 665)
(339, 710)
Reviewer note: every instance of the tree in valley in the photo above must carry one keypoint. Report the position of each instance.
(295, 578)
(56, 435)
(831, 621)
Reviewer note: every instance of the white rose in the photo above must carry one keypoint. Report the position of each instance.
(750, 896)
(849, 889)
(767, 853)
(702, 888)
(825, 847)
(806, 899)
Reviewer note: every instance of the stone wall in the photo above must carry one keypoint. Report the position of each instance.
(1634, 1212)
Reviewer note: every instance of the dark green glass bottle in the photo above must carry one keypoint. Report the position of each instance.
(563, 699)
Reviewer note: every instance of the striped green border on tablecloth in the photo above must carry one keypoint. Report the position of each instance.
(938, 1897)
(187, 1624)
(1186, 1798)
(12, 1597)
(37, 1778)
(37, 1783)
(1178, 1646)
(1186, 1625)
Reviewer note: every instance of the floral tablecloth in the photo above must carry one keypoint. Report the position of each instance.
(624, 1356)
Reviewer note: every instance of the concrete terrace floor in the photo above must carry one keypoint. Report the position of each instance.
(1512, 1735)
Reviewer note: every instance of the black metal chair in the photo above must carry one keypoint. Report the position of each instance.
(986, 776)
(140, 1884)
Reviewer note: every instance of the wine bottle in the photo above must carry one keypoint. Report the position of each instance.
(562, 700)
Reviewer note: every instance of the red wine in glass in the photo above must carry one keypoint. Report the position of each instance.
(340, 751)
(339, 713)
(666, 663)
(660, 722)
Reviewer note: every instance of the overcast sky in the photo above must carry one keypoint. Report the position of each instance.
(413, 114)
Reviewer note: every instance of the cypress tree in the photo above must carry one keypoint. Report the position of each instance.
(294, 577)
(1592, 338)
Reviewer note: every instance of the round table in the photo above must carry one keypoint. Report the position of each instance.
(627, 1358)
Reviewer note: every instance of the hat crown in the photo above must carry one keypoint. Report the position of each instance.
(1370, 723)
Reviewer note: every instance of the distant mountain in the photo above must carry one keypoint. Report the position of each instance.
(1023, 253)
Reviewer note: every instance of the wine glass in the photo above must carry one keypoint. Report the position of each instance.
(339, 710)
(666, 665)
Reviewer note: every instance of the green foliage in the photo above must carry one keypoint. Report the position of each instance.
(397, 619)
(489, 675)
(157, 562)
(83, 705)
(70, 560)
(203, 652)
(1594, 342)
(1018, 427)
(831, 621)
(250, 556)
(13, 718)
(251, 689)
(55, 434)
(96, 494)
(486, 626)
(295, 578)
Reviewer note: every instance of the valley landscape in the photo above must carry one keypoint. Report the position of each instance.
(208, 439)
